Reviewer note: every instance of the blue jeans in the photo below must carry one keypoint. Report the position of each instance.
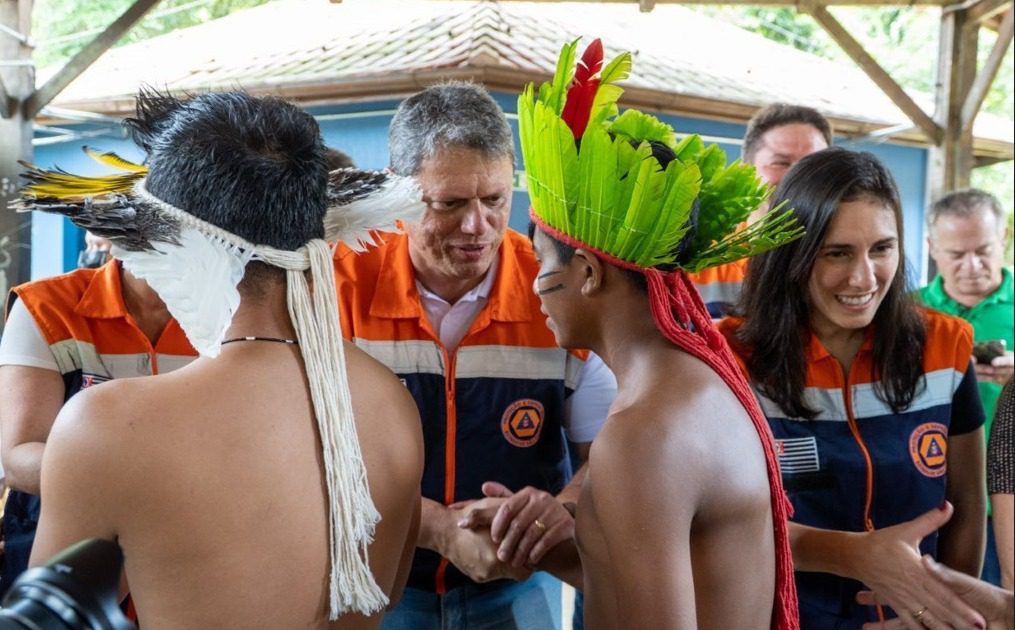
(530, 605)
(578, 618)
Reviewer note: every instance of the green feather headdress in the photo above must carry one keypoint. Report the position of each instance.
(592, 176)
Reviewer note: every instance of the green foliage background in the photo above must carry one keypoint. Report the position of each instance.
(62, 27)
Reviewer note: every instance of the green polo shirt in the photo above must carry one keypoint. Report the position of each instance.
(992, 318)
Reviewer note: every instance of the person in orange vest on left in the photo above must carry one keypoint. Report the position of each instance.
(64, 334)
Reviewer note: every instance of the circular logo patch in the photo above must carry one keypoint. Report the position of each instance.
(928, 446)
(522, 422)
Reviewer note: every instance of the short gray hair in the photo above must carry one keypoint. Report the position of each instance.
(454, 114)
(966, 203)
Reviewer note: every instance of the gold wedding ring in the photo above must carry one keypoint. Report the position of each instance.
(542, 526)
(919, 613)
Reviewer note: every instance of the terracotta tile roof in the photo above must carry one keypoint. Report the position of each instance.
(316, 51)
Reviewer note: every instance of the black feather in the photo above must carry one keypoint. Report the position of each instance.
(346, 185)
(129, 223)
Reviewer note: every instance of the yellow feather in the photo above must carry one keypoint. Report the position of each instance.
(113, 160)
(67, 187)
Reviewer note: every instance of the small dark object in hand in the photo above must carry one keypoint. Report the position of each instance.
(987, 351)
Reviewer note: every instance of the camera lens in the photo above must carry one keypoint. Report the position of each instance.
(76, 590)
(41, 607)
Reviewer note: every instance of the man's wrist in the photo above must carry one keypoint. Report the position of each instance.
(433, 527)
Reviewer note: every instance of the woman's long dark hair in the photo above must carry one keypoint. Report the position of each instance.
(775, 300)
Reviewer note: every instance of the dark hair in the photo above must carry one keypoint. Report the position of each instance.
(454, 114)
(775, 300)
(337, 159)
(663, 155)
(252, 166)
(777, 115)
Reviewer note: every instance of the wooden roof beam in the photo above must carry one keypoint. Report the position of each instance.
(984, 10)
(86, 57)
(978, 91)
(881, 78)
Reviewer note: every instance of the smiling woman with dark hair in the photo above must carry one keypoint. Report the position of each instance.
(872, 400)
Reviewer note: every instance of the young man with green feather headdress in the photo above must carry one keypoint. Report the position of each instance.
(683, 493)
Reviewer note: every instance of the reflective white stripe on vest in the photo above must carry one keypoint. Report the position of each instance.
(937, 389)
(493, 361)
(72, 354)
(405, 357)
(727, 292)
(518, 362)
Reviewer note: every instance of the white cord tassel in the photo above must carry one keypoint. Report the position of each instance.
(353, 515)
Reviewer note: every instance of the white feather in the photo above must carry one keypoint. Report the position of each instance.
(197, 280)
(399, 198)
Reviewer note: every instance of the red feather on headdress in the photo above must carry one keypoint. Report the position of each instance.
(582, 93)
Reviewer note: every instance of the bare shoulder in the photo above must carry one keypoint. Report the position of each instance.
(376, 385)
(678, 430)
(101, 432)
(637, 461)
(91, 469)
(101, 412)
(639, 444)
(384, 408)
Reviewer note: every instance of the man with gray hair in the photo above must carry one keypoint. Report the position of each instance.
(448, 306)
(967, 231)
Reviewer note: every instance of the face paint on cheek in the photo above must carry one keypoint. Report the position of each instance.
(556, 287)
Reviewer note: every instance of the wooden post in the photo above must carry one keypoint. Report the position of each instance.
(18, 78)
(951, 160)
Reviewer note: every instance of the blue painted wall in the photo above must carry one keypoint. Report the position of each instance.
(360, 129)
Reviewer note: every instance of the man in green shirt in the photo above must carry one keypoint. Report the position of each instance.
(967, 232)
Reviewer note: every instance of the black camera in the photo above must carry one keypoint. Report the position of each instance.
(76, 590)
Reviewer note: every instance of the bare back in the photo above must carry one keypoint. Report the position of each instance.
(222, 508)
(674, 525)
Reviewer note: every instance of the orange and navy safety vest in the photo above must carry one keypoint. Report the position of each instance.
(720, 286)
(858, 465)
(81, 315)
(491, 410)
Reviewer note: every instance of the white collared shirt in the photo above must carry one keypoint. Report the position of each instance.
(452, 321)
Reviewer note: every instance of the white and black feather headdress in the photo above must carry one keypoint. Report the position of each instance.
(195, 268)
